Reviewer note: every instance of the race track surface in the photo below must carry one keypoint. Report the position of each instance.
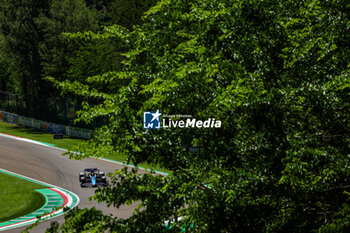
(48, 165)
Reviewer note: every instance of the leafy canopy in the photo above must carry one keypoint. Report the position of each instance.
(276, 73)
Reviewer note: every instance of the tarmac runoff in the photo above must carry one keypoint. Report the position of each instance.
(73, 199)
(62, 149)
(56, 199)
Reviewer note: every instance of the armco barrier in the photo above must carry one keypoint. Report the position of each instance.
(55, 128)
(26, 121)
(9, 117)
(45, 126)
(36, 124)
(78, 132)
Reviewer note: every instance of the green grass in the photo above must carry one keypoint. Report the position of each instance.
(24, 132)
(66, 142)
(18, 197)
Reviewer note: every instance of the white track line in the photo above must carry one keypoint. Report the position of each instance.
(61, 149)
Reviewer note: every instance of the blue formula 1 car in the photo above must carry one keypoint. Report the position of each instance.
(92, 177)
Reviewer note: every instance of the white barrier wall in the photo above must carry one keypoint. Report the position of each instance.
(45, 126)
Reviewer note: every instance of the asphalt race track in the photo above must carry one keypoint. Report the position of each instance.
(48, 165)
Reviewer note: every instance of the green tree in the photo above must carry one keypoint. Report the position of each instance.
(276, 73)
(21, 38)
(128, 13)
(64, 16)
(33, 47)
(4, 68)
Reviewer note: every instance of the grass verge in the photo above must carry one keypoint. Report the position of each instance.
(66, 142)
(18, 197)
(24, 132)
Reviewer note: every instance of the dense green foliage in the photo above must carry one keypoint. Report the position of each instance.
(276, 73)
(32, 47)
(64, 16)
(128, 13)
(19, 45)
